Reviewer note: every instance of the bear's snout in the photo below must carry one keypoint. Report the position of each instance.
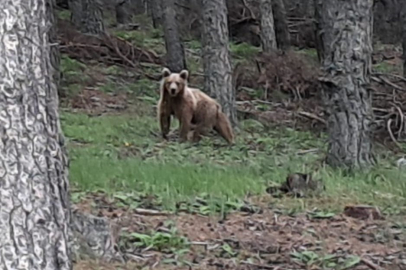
(173, 91)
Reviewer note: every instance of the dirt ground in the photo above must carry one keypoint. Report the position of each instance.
(269, 239)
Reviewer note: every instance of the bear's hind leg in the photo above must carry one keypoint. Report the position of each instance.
(201, 129)
(223, 127)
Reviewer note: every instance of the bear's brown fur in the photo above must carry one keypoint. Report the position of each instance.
(197, 112)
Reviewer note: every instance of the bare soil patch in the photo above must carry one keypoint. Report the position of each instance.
(270, 240)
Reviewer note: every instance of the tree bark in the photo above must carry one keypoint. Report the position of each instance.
(318, 30)
(347, 43)
(268, 38)
(123, 15)
(156, 12)
(34, 193)
(138, 6)
(281, 24)
(37, 226)
(75, 7)
(87, 16)
(175, 53)
(216, 58)
(403, 25)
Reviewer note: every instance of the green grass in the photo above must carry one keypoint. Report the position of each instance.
(310, 54)
(243, 50)
(150, 40)
(385, 67)
(120, 154)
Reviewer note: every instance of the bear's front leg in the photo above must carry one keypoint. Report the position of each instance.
(165, 123)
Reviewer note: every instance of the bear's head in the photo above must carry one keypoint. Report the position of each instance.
(174, 83)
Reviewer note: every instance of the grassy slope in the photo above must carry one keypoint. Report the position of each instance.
(119, 153)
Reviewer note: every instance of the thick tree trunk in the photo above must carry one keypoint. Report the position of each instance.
(403, 23)
(175, 53)
(37, 227)
(281, 24)
(123, 15)
(87, 16)
(34, 193)
(75, 6)
(216, 59)
(156, 12)
(268, 38)
(347, 43)
(92, 22)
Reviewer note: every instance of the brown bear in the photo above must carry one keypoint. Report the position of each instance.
(197, 112)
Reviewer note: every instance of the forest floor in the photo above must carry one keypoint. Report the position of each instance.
(205, 206)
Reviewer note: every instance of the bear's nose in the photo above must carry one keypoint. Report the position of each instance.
(173, 90)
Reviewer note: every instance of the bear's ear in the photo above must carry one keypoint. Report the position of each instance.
(184, 74)
(166, 72)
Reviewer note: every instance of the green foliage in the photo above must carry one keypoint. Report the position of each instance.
(194, 45)
(152, 40)
(385, 67)
(144, 88)
(168, 241)
(243, 50)
(329, 261)
(74, 75)
(64, 14)
(71, 68)
(310, 258)
(310, 54)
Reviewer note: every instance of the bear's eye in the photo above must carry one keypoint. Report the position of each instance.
(177, 83)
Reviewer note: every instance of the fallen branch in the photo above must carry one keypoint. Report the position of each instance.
(380, 80)
(391, 134)
(370, 264)
(390, 75)
(149, 212)
(117, 50)
(312, 116)
(104, 48)
(259, 266)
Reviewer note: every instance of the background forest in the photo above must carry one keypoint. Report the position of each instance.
(213, 206)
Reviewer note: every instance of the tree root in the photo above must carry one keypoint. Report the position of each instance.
(94, 238)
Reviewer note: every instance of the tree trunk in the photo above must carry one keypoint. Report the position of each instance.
(34, 194)
(75, 7)
(216, 59)
(156, 12)
(268, 38)
(347, 43)
(281, 24)
(403, 24)
(123, 15)
(138, 6)
(87, 16)
(175, 53)
(318, 30)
